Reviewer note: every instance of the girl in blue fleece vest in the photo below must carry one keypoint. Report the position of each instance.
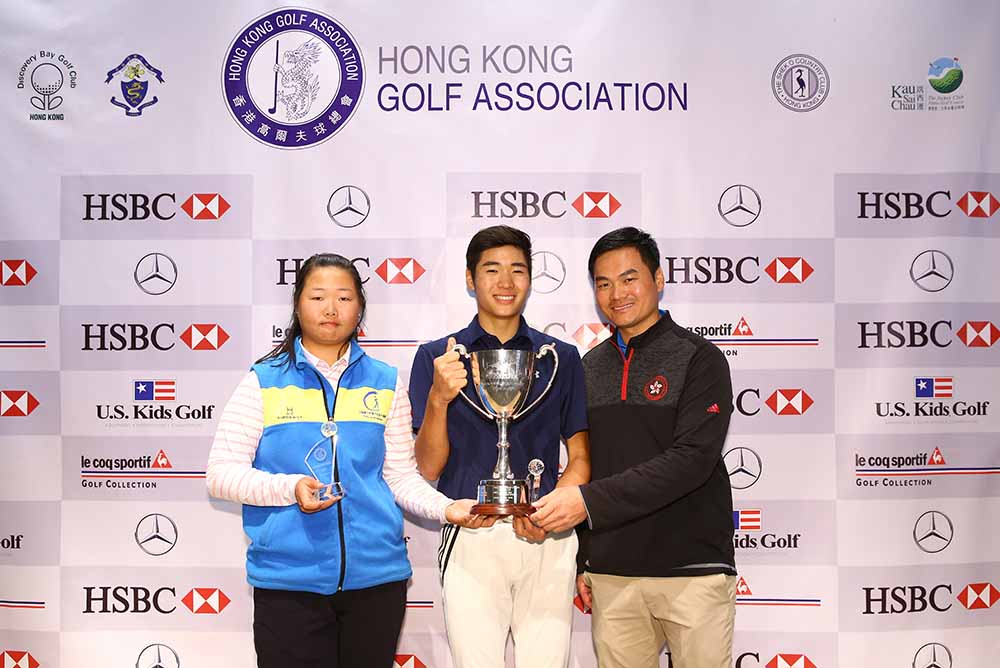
(317, 445)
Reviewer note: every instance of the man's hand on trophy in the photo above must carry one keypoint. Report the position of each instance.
(450, 375)
(561, 509)
(458, 512)
(525, 528)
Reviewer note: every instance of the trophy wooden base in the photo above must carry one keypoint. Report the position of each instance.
(503, 510)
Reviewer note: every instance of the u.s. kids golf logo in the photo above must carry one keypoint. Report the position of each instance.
(293, 77)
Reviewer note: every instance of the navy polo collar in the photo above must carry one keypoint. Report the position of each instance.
(474, 336)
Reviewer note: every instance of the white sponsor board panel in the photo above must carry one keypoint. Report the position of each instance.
(975, 648)
(28, 338)
(160, 534)
(920, 269)
(30, 598)
(787, 466)
(156, 272)
(26, 460)
(145, 402)
(916, 532)
(167, 647)
(915, 400)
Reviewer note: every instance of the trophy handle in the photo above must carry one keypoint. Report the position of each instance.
(547, 348)
(463, 353)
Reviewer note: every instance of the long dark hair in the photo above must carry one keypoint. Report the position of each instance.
(294, 327)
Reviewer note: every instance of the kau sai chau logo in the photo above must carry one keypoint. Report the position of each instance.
(293, 77)
(945, 75)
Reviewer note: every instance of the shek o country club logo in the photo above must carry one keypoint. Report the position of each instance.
(293, 78)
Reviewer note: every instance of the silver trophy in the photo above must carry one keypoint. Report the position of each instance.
(502, 380)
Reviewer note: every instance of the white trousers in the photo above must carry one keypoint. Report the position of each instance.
(493, 582)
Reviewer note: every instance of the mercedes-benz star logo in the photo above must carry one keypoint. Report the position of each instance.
(932, 655)
(548, 272)
(739, 205)
(932, 271)
(155, 273)
(156, 534)
(348, 206)
(933, 531)
(744, 467)
(157, 656)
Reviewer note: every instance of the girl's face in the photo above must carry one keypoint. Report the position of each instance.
(328, 308)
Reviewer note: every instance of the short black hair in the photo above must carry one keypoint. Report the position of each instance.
(625, 237)
(494, 237)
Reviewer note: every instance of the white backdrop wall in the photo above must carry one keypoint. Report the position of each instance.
(820, 178)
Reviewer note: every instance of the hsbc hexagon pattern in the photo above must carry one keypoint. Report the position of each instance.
(842, 255)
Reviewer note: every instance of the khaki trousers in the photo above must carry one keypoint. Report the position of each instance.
(633, 617)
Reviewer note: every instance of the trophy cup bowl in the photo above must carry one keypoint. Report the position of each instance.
(502, 380)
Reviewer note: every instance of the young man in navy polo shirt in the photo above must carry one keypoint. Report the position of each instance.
(501, 576)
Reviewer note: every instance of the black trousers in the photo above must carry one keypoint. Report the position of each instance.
(351, 628)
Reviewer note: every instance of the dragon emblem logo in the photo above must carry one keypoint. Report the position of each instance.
(134, 74)
(293, 77)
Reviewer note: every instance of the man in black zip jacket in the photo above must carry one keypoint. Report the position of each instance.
(657, 551)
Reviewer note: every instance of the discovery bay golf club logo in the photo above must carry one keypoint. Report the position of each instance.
(293, 77)
(47, 76)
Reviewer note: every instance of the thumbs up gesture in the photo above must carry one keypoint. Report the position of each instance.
(450, 375)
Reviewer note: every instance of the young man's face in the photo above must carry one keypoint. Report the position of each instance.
(626, 292)
(501, 282)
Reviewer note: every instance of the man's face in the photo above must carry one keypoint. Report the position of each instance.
(501, 282)
(626, 292)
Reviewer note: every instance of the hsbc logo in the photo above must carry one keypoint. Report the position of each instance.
(407, 661)
(16, 273)
(206, 600)
(205, 206)
(701, 270)
(782, 660)
(586, 336)
(17, 403)
(788, 270)
(392, 271)
(207, 336)
(916, 598)
(505, 204)
(592, 204)
(400, 270)
(978, 596)
(139, 207)
(911, 205)
(978, 334)
(978, 204)
(782, 402)
(137, 336)
(142, 600)
(920, 334)
(17, 659)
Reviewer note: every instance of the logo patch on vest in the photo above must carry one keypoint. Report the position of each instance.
(655, 388)
(364, 404)
(284, 405)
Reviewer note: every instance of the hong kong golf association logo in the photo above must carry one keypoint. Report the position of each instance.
(293, 78)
